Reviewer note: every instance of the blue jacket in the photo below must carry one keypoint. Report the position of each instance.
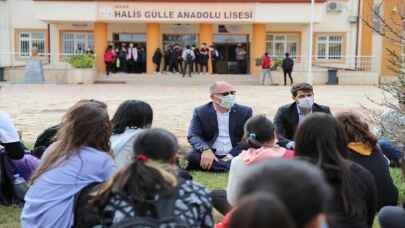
(203, 130)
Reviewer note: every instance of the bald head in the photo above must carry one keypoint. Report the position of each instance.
(220, 87)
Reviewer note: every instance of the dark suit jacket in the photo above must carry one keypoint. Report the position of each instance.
(203, 130)
(286, 121)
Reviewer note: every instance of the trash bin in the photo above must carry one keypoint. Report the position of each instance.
(1, 73)
(332, 77)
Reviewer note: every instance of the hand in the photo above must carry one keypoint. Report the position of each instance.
(207, 159)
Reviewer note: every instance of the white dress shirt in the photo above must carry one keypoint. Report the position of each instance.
(223, 142)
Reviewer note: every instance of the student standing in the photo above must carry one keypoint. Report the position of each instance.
(214, 54)
(266, 69)
(157, 58)
(132, 58)
(287, 65)
(109, 59)
(188, 59)
(204, 55)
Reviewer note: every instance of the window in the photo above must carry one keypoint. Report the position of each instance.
(277, 44)
(77, 42)
(329, 47)
(29, 40)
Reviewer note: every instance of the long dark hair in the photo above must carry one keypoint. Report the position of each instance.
(133, 114)
(85, 124)
(261, 210)
(258, 130)
(321, 139)
(144, 178)
(356, 129)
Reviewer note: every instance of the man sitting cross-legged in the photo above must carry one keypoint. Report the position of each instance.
(215, 129)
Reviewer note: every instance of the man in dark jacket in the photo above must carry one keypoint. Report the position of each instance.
(287, 66)
(215, 130)
(288, 116)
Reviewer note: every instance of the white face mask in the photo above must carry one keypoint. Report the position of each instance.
(306, 102)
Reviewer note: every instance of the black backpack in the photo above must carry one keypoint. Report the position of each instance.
(189, 57)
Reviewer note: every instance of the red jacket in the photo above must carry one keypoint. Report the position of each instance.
(109, 57)
(266, 62)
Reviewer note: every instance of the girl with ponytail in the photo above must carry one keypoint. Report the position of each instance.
(260, 141)
(151, 177)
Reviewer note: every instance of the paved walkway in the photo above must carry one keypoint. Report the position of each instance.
(36, 107)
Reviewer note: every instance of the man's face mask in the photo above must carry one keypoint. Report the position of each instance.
(227, 101)
(306, 102)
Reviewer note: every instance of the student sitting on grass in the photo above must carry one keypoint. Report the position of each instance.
(364, 150)
(80, 156)
(259, 142)
(299, 187)
(129, 120)
(322, 140)
(148, 189)
(390, 216)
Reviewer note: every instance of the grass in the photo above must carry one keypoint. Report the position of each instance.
(9, 216)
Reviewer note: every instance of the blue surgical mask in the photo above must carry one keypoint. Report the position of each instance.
(306, 102)
(227, 101)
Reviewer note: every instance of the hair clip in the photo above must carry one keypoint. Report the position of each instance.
(252, 136)
(141, 157)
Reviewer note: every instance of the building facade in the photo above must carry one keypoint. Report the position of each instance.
(340, 39)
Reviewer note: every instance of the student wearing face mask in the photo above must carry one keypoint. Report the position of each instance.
(288, 116)
(215, 130)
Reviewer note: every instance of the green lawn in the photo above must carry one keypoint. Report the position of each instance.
(9, 217)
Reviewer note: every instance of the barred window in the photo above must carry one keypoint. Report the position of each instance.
(277, 44)
(77, 42)
(329, 47)
(29, 40)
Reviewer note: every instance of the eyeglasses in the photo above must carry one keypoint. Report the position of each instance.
(227, 93)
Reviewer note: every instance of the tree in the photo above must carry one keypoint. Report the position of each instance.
(388, 20)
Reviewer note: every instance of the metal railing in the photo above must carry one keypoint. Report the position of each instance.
(351, 63)
(319, 63)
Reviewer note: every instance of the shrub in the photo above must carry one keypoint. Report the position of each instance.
(82, 61)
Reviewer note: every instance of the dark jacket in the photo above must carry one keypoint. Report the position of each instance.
(287, 64)
(203, 130)
(286, 121)
(157, 57)
(377, 164)
(363, 187)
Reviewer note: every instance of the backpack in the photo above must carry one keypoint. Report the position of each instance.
(288, 64)
(189, 57)
(162, 209)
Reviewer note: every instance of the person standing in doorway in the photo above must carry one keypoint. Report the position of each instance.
(241, 54)
(179, 58)
(109, 59)
(141, 60)
(157, 58)
(266, 69)
(132, 57)
(122, 55)
(287, 65)
(196, 63)
(214, 54)
(204, 55)
(172, 59)
(188, 59)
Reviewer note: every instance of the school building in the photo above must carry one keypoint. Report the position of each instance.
(319, 35)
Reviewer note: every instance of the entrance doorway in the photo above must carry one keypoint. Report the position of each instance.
(122, 41)
(181, 39)
(227, 46)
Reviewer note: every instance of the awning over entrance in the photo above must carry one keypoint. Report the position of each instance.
(168, 12)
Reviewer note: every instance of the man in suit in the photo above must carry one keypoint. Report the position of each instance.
(215, 129)
(288, 116)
